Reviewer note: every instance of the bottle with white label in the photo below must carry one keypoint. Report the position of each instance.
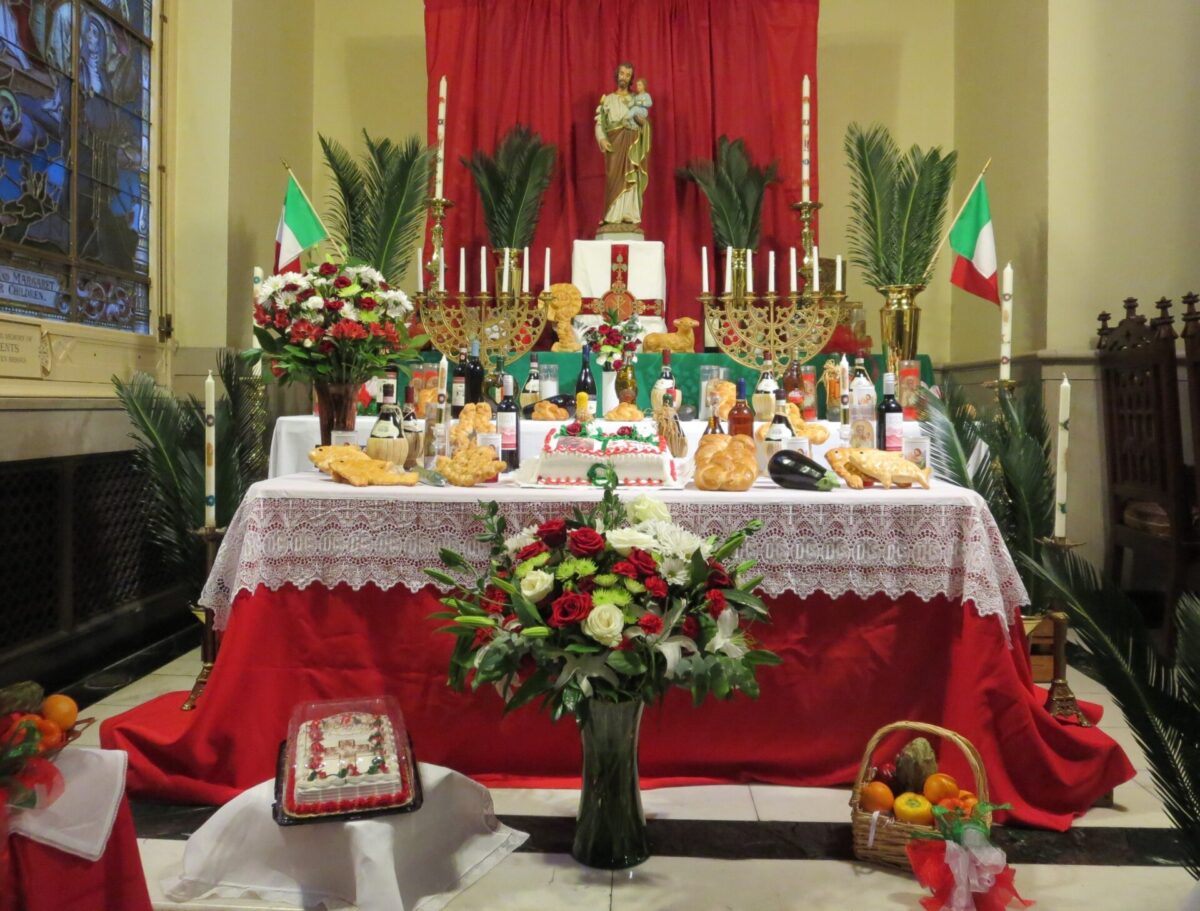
(763, 401)
(779, 431)
(508, 424)
(890, 417)
(458, 384)
(387, 441)
(531, 392)
(414, 430)
(664, 385)
(862, 408)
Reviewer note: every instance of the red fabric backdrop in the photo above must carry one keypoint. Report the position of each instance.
(713, 67)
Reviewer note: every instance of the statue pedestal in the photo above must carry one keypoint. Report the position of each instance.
(628, 274)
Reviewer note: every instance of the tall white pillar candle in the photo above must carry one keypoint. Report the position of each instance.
(816, 266)
(210, 452)
(483, 271)
(805, 159)
(792, 269)
(462, 271)
(1060, 466)
(838, 278)
(546, 271)
(525, 271)
(441, 138)
(704, 270)
(771, 272)
(729, 270)
(1006, 298)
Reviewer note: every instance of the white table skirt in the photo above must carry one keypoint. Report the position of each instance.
(403, 862)
(304, 529)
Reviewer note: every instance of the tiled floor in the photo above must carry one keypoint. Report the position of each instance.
(544, 881)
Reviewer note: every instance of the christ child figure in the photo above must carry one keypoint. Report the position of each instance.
(639, 111)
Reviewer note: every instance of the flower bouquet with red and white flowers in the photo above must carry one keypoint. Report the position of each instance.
(615, 341)
(333, 323)
(596, 614)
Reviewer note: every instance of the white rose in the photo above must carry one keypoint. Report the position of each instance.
(623, 540)
(524, 537)
(605, 624)
(647, 509)
(536, 585)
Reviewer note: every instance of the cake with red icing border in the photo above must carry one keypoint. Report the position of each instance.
(584, 454)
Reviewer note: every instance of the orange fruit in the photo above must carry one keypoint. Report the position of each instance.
(52, 734)
(913, 808)
(939, 786)
(60, 709)
(876, 797)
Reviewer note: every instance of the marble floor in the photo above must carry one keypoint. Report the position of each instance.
(756, 847)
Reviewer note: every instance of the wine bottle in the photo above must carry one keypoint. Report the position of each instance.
(779, 431)
(532, 390)
(664, 385)
(890, 418)
(413, 427)
(387, 435)
(764, 392)
(714, 419)
(844, 399)
(741, 417)
(586, 382)
(474, 375)
(458, 384)
(793, 382)
(492, 388)
(508, 422)
(862, 408)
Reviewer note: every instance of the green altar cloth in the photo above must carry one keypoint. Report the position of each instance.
(686, 368)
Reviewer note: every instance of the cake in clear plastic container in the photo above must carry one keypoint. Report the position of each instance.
(351, 756)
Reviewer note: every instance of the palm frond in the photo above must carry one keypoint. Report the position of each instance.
(1158, 702)
(512, 184)
(346, 199)
(922, 190)
(957, 452)
(873, 159)
(735, 188)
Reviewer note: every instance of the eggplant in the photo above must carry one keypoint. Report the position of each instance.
(797, 471)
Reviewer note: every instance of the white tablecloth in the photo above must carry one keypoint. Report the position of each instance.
(305, 529)
(404, 862)
(82, 818)
(295, 436)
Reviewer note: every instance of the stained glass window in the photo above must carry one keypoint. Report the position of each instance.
(75, 160)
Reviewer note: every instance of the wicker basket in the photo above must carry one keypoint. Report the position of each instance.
(890, 839)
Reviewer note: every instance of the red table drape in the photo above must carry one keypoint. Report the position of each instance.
(713, 67)
(850, 666)
(47, 879)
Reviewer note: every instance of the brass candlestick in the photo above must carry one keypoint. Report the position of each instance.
(212, 538)
(1008, 387)
(437, 211)
(1060, 699)
(808, 212)
(748, 327)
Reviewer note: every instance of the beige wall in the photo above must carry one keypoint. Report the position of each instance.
(893, 63)
(1124, 158)
(1000, 112)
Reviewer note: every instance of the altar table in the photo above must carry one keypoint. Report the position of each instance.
(886, 605)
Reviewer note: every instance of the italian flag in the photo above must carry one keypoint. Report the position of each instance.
(299, 229)
(971, 238)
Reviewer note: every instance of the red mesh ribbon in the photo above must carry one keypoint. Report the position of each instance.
(928, 859)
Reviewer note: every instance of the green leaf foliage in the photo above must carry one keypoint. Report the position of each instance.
(897, 206)
(512, 184)
(735, 188)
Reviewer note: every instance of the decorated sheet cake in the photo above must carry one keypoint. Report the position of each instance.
(583, 453)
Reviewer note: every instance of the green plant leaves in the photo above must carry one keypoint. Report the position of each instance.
(735, 188)
(512, 185)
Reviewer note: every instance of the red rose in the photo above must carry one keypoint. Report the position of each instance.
(572, 607)
(494, 600)
(644, 561)
(585, 542)
(573, 429)
(367, 303)
(277, 371)
(625, 568)
(554, 532)
(624, 431)
(342, 281)
(291, 286)
(334, 304)
(618, 364)
(716, 601)
(624, 645)
(529, 551)
(587, 584)
(656, 586)
(718, 577)
(328, 269)
(652, 624)
(690, 627)
(305, 294)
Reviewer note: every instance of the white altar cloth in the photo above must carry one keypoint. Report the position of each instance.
(591, 273)
(305, 529)
(402, 862)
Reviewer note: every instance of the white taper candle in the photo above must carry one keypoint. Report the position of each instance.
(525, 271)
(771, 272)
(210, 452)
(838, 278)
(462, 271)
(729, 270)
(504, 273)
(483, 271)
(816, 270)
(546, 276)
(704, 270)
(749, 271)
(1060, 466)
(792, 269)
(1006, 298)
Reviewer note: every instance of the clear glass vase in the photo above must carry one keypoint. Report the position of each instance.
(610, 830)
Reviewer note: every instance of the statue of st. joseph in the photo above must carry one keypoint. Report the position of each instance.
(623, 133)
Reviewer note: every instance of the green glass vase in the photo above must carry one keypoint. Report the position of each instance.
(610, 830)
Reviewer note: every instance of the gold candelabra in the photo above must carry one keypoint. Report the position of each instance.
(748, 327)
(506, 323)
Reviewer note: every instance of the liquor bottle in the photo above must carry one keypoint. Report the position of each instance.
(844, 399)
(626, 382)
(862, 408)
(741, 418)
(764, 392)
(433, 436)
(387, 435)
(492, 388)
(889, 434)
(586, 382)
(458, 384)
(664, 385)
(508, 422)
(413, 427)
(714, 419)
(793, 382)
(779, 431)
(474, 372)
(532, 390)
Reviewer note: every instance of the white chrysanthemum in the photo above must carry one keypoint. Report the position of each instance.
(674, 541)
(349, 311)
(523, 538)
(270, 286)
(314, 303)
(365, 275)
(285, 298)
(675, 571)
